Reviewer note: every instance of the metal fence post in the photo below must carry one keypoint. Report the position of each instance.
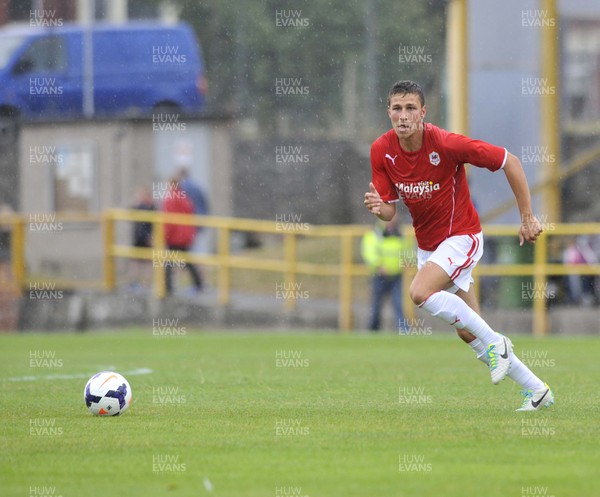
(345, 312)
(540, 311)
(158, 255)
(18, 252)
(289, 242)
(224, 273)
(108, 231)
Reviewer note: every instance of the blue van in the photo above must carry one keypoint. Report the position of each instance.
(137, 68)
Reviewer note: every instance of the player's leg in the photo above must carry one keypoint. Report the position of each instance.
(449, 267)
(471, 340)
(471, 300)
(427, 290)
(430, 278)
(536, 393)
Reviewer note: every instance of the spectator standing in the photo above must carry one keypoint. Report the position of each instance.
(193, 191)
(581, 288)
(179, 237)
(142, 237)
(384, 250)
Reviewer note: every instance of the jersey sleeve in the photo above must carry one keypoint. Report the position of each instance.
(476, 152)
(380, 178)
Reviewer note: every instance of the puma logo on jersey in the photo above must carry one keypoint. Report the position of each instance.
(388, 156)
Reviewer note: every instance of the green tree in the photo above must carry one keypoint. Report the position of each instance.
(346, 53)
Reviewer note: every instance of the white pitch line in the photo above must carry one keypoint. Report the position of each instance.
(208, 485)
(133, 372)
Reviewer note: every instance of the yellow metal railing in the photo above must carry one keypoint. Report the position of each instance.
(288, 265)
(22, 224)
(540, 269)
(15, 225)
(224, 261)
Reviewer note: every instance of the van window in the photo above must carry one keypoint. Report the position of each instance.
(8, 45)
(45, 54)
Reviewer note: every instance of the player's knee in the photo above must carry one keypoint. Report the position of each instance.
(418, 293)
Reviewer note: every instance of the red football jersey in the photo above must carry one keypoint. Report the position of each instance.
(432, 181)
(179, 235)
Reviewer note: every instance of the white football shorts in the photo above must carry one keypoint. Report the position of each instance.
(458, 256)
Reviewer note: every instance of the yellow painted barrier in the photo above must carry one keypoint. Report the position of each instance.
(288, 265)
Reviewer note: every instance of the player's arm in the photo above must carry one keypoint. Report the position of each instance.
(482, 154)
(373, 198)
(375, 204)
(530, 227)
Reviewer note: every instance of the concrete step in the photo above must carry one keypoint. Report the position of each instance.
(88, 311)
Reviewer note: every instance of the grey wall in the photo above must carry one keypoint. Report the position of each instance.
(307, 181)
(127, 154)
(502, 53)
(9, 167)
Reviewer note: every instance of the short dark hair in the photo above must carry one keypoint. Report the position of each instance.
(406, 86)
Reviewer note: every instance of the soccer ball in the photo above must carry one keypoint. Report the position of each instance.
(107, 394)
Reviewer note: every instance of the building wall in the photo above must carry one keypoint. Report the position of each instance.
(302, 181)
(125, 156)
(503, 54)
(504, 100)
(52, 10)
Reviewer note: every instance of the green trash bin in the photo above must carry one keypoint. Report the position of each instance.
(510, 288)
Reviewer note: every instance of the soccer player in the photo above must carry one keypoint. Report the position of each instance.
(424, 166)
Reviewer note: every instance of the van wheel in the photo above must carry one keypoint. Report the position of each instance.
(9, 125)
(166, 108)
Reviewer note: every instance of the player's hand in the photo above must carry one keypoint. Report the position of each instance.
(529, 230)
(373, 201)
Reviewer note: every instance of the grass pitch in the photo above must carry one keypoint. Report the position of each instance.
(315, 414)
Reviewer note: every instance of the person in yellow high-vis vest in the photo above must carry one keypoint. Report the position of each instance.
(385, 252)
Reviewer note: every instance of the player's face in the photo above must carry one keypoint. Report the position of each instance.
(406, 114)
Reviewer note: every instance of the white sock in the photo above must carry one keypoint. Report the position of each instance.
(454, 311)
(479, 350)
(522, 375)
(519, 373)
